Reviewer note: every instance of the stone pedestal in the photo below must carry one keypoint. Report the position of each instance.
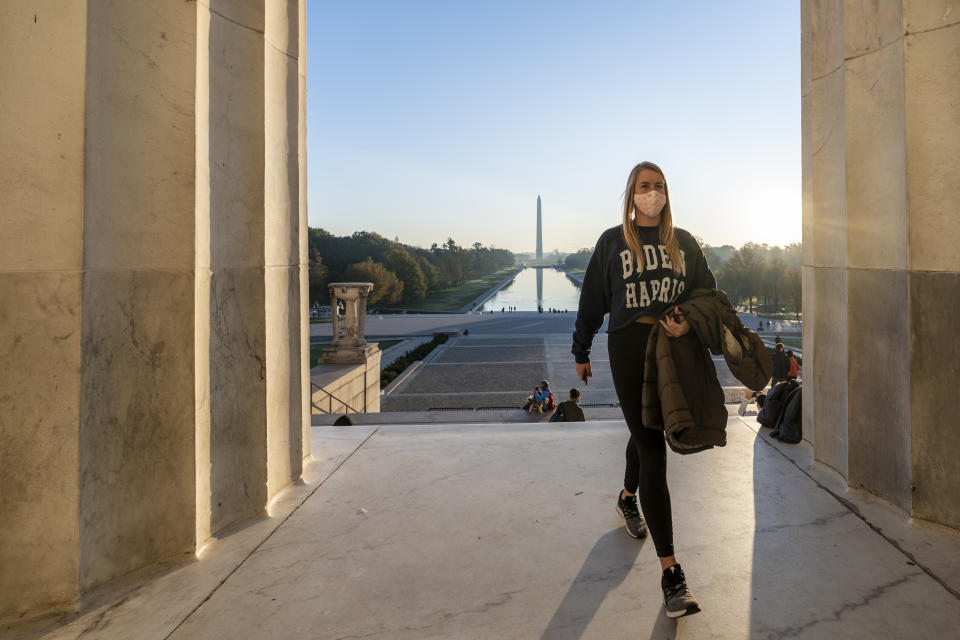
(352, 347)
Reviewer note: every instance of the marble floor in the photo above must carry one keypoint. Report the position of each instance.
(509, 531)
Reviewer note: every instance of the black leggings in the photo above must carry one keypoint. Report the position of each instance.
(646, 472)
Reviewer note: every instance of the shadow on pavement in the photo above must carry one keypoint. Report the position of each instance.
(607, 565)
(665, 628)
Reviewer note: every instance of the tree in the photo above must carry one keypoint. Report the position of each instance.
(439, 267)
(449, 258)
(386, 286)
(408, 271)
(431, 274)
(793, 254)
(751, 265)
(716, 256)
(318, 277)
(793, 289)
(731, 278)
(772, 279)
(579, 259)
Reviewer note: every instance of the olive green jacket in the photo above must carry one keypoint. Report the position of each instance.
(681, 392)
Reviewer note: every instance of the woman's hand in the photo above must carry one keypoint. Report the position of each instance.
(584, 371)
(674, 328)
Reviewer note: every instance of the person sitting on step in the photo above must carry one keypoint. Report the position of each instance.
(569, 410)
(541, 400)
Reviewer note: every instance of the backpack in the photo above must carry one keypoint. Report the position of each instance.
(790, 427)
(773, 405)
(553, 404)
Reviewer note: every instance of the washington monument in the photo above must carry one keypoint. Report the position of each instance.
(539, 231)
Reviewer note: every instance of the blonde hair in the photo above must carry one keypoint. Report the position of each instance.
(667, 236)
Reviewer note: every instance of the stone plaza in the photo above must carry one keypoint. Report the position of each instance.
(509, 531)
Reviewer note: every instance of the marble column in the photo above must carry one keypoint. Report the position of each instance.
(881, 107)
(42, 54)
(826, 256)
(303, 233)
(806, 152)
(877, 316)
(137, 467)
(284, 304)
(150, 280)
(932, 104)
(231, 397)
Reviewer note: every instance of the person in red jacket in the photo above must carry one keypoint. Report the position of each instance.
(794, 366)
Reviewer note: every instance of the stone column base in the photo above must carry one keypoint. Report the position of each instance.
(348, 355)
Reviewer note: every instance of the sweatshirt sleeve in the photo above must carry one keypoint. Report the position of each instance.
(701, 276)
(594, 304)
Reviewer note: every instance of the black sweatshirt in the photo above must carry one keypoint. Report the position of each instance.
(611, 283)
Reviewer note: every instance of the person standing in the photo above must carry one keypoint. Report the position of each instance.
(794, 366)
(781, 365)
(638, 271)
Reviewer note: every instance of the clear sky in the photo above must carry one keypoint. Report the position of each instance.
(430, 119)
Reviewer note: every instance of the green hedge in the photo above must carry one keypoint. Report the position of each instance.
(397, 367)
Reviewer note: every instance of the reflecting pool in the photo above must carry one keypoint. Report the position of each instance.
(547, 287)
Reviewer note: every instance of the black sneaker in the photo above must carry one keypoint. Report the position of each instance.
(627, 508)
(677, 598)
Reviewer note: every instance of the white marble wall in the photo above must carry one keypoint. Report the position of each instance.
(136, 429)
(348, 388)
(305, 409)
(932, 70)
(231, 396)
(881, 125)
(152, 161)
(826, 257)
(806, 189)
(285, 421)
(41, 180)
(878, 340)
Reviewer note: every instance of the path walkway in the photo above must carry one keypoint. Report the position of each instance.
(526, 322)
(416, 532)
(504, 356)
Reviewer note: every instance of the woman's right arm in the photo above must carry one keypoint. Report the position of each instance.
(594, 304)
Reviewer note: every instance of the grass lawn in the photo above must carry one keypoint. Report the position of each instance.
(454, 298)
(321, 320)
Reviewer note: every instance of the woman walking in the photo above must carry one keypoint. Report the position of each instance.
(637, 272)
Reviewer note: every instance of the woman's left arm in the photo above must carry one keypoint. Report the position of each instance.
(702, 276)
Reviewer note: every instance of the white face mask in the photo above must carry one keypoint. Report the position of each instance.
(650, 203)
